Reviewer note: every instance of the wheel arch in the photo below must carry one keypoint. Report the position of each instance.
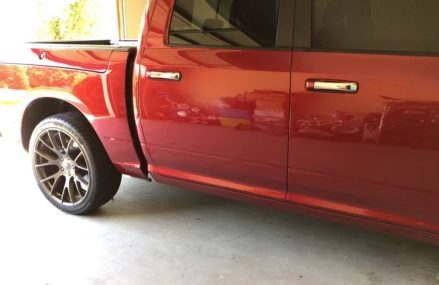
(40, 109)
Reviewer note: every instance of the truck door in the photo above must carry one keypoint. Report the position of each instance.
(214, 93)
(365, 109)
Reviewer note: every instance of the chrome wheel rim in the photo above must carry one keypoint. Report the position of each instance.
(61, 167)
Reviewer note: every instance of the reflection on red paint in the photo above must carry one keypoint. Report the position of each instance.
(212, 181)
(87, 80)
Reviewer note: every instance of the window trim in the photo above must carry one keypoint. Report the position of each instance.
(303, 35)
(285, 19)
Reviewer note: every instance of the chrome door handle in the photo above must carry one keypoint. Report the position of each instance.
(348, 87)
(173, 76)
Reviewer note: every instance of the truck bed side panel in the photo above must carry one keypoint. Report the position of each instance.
(93, 81)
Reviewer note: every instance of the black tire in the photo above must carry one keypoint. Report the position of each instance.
(84, 177)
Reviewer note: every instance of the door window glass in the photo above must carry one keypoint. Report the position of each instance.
(234, 23)
(376, 25)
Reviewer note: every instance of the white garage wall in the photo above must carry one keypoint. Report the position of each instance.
(130, 17)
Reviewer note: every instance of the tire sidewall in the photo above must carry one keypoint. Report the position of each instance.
(56, 124)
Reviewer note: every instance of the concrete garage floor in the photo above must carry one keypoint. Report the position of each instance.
(153, 234)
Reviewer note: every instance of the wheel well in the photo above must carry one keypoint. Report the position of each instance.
(39, 110)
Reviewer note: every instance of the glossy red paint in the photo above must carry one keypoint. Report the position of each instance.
(374, 153)
(225, 123)
(243, 124)
(86, 58)
(84, 77)
(184, 148)
(140, 72)
(187, 149)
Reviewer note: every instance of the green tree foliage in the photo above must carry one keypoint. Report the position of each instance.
(77, 22)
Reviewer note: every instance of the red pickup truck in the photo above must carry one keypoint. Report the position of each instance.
(328, 108)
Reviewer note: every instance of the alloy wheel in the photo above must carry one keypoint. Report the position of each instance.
(61, 167)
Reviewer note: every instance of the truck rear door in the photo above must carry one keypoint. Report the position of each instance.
(365, 109)
(214, 96)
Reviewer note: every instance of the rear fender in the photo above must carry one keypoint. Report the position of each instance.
(99, 97)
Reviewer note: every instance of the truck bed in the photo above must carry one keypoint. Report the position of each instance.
(80, 55)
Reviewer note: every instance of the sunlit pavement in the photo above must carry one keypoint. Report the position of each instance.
(153, 234)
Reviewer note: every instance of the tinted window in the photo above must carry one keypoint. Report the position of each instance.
(234, 23)
(376, 25)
